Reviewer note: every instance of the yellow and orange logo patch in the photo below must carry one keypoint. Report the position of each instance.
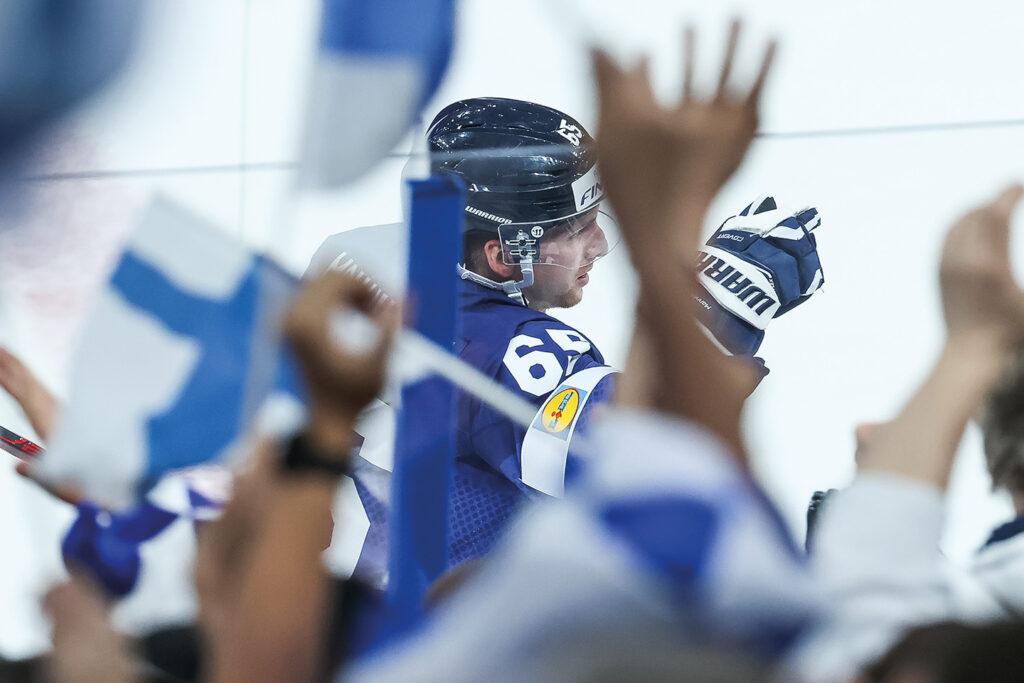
(560, 410)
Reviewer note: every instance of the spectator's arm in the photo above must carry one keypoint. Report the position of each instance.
(85, 648)
(984, 311)
(42, 409)
(661, 167)
(39, 405)
(278, 626)
(876, 546)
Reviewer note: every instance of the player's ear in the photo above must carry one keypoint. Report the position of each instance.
(495, 261)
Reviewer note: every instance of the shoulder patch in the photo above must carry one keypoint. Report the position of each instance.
(559, 411)
(545, 446)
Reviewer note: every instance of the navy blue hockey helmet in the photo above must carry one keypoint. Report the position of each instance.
(522, 162)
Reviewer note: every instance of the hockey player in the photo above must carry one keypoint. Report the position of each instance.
(534, 227)
(533, 230)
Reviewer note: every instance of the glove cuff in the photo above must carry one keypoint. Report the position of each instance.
(734, 334)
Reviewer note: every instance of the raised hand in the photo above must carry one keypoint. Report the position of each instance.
(341, 379)
(660, 168)
(41, 408)
(984, 310)
(982, 303)
(38, 404)
(659, 162)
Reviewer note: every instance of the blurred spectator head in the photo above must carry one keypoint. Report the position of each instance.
(52, 54)
(950, 652)
(606, 653)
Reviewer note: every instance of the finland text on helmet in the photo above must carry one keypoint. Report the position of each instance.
(531, 179)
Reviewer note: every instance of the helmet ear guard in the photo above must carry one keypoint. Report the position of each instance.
(518, 246)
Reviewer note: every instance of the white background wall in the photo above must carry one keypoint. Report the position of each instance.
(209, 113)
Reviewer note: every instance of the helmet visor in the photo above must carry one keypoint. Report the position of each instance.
(572, 243)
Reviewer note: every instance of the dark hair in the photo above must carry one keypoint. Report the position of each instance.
(1002, 425)
(951, 652)
(473, 249)
(473, 254)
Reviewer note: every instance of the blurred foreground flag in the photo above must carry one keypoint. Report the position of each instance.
(55, 52)
(379, 62)
(179, 355)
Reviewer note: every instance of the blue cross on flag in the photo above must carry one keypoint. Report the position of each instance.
(176, 360)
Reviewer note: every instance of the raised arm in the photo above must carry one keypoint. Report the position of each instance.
(277, 629)
(41, 408)
(984, 312)
(661, 167)
(876, 545)
(39, 405)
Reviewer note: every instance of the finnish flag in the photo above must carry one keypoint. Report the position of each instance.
(178, 357)
(378, 63)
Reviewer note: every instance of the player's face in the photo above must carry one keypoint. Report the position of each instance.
(563, 269)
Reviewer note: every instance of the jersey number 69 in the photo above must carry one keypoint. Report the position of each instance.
(522, 366)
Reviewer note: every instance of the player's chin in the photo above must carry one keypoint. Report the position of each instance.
(572, 297)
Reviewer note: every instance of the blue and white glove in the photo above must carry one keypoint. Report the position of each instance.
(757, 266)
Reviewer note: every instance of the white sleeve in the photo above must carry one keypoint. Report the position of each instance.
(377, 250)
(877, 557)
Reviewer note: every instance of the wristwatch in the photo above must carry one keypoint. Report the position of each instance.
(301, 457)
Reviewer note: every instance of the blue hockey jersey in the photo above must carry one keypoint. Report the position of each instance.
(498, 463)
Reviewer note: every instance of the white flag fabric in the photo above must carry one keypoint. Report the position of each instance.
(177, 358)
(379, 62)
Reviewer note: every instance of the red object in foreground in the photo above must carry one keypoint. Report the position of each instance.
(17, 445)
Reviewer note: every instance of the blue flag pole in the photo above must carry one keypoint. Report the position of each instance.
(425, 438)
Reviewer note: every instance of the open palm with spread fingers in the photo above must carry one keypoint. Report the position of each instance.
(658, 160)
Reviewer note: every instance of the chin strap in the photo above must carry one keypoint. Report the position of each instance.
(523, 247)
(512, 288)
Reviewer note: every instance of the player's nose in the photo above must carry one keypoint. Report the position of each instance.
(597, 242)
